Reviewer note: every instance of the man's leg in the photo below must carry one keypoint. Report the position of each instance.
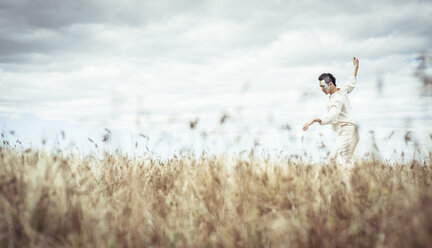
(345, 145)
(342, 151)
(349, 143)
(354, 141)
(337, 150)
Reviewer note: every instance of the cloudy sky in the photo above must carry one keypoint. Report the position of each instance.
(153, 66)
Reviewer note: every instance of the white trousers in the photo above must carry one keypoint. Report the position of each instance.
(346, 142)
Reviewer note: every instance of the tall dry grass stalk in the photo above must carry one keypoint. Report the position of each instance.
(49, 200)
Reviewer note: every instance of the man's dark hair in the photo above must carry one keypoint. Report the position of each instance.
(327, 77)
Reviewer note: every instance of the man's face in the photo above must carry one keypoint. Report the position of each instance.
(324, 87)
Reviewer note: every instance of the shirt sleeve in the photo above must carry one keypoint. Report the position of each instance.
(349, 86)
(333, 112)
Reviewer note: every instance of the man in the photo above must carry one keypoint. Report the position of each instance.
(339, 116)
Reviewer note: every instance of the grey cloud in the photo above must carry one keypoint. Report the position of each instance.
(246, 25)
(54, 14)
(47, 42)
(404, 19)
(49, 14)
(22, 18)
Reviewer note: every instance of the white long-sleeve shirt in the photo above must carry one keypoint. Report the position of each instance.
(339, 106)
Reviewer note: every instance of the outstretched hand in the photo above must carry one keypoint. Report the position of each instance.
(306, 126)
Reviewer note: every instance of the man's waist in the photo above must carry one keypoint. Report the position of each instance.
(338, 125)
(343, 123)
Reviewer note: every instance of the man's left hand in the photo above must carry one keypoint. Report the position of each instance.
(355, 62)
(306, 126)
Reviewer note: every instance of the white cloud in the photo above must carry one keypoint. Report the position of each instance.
(104, 62)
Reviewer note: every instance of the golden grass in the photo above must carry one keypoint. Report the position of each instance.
(49, 200)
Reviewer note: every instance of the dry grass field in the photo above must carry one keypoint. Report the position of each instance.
(54, 200)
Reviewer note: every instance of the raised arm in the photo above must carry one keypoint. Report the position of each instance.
(356, 66)
(349, 86)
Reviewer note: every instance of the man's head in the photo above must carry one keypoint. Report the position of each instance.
(327, 83)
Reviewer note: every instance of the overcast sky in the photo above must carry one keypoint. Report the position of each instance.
(155, 65)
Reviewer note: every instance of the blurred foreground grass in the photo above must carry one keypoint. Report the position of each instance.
(49, 200)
